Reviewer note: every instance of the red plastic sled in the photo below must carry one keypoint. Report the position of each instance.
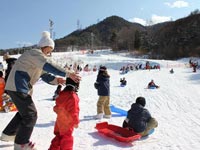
(116, 132)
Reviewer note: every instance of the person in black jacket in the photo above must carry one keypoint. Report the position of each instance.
(123, 81)
(102, 85)
(10, 62)
(139, 118)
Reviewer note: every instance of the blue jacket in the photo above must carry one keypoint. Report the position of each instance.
(103, 85)
(138, 117)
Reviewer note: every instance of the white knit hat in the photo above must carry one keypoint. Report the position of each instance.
(46, 40)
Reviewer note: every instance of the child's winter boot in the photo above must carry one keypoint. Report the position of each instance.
(99, 116)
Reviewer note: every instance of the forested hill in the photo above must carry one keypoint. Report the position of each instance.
(104, 33)
(168, 40)
(177, 39)
(172, 39)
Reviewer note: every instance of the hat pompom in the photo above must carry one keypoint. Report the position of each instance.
(46, 34)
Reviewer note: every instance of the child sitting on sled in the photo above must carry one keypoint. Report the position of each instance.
(139, 118)
(123, 81)
(67, 110)
(152, 85)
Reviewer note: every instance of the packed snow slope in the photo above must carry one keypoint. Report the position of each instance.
(175, 105)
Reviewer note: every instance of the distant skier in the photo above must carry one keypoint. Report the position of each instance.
(194, 65)
(171, 71)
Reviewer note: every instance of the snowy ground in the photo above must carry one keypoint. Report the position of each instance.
(175, 105)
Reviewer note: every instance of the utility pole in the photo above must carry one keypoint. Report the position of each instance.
(51, 23)
(92, 40)
(19, 47)
(52, 34)
(78, 24)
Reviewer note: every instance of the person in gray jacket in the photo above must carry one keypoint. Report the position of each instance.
(28, 69)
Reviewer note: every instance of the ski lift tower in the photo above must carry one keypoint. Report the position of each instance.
(51, 23)
(52, 34)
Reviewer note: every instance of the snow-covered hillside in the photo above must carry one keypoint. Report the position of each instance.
(176, 104)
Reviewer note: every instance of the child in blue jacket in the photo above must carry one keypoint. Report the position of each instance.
(102, 85)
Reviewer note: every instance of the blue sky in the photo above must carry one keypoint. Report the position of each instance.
(22, 21)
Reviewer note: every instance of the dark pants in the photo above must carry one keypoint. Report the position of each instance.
(23, 122)
(150, 125)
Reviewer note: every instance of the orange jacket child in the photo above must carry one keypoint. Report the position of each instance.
(67, 110)
(2, 87)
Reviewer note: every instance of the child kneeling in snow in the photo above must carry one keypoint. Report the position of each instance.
(139, 118)
(67, 110)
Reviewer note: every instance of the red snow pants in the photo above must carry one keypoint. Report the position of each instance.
(62, 142)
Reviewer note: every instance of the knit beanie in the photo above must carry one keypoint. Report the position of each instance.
(71, 85)
(141, 101)
(46, 40)
(102, 68)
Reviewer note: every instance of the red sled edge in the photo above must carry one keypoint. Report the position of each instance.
(117, 132)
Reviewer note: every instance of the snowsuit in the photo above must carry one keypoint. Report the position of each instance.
(67, 110)
(102, 85)
(28, 69)
(139, 119)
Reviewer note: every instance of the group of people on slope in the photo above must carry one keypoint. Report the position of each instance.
(35, 64)
(151, 84)
(138, 118)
